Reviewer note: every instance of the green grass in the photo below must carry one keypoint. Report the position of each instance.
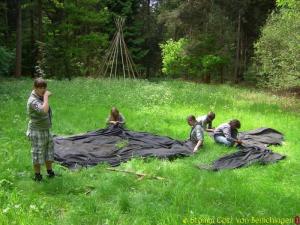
(98, 196)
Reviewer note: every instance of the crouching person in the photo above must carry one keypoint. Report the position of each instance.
(227, 133)
(206, 121)
(115, 118)
(39, 125)
(197, 133)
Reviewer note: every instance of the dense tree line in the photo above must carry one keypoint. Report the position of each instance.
(207, 40)
(276, 61)
(67, 38)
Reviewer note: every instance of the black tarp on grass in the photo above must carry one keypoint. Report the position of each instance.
(253, 150)
(114, 145)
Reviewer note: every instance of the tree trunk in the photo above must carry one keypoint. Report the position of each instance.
(207, 78)
(66, 55)
(40, 46)
(148, 39)
(237, 59)
(40, 20)
(245, 59)
(32, 39)
(242, 57)
(19, 40)
(222, 74)
(6, 33)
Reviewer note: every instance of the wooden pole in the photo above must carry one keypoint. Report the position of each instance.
(111, 55)
(237, 60)
(132, 65)
(126, 56)
(114, 55)
(107, 55)
(124, 74)
(140, 175)
(117, 44)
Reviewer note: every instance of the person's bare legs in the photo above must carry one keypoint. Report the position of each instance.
(37, 168)
(49, 165)
(37, 171)
(49, 169)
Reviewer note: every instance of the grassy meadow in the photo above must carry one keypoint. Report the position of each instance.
(187, 195)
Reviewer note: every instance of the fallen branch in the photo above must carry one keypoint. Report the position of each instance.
(140, 175)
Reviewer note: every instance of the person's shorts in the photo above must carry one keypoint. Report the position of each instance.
(41, 146)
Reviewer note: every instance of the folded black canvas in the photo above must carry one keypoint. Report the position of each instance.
(253, 150)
